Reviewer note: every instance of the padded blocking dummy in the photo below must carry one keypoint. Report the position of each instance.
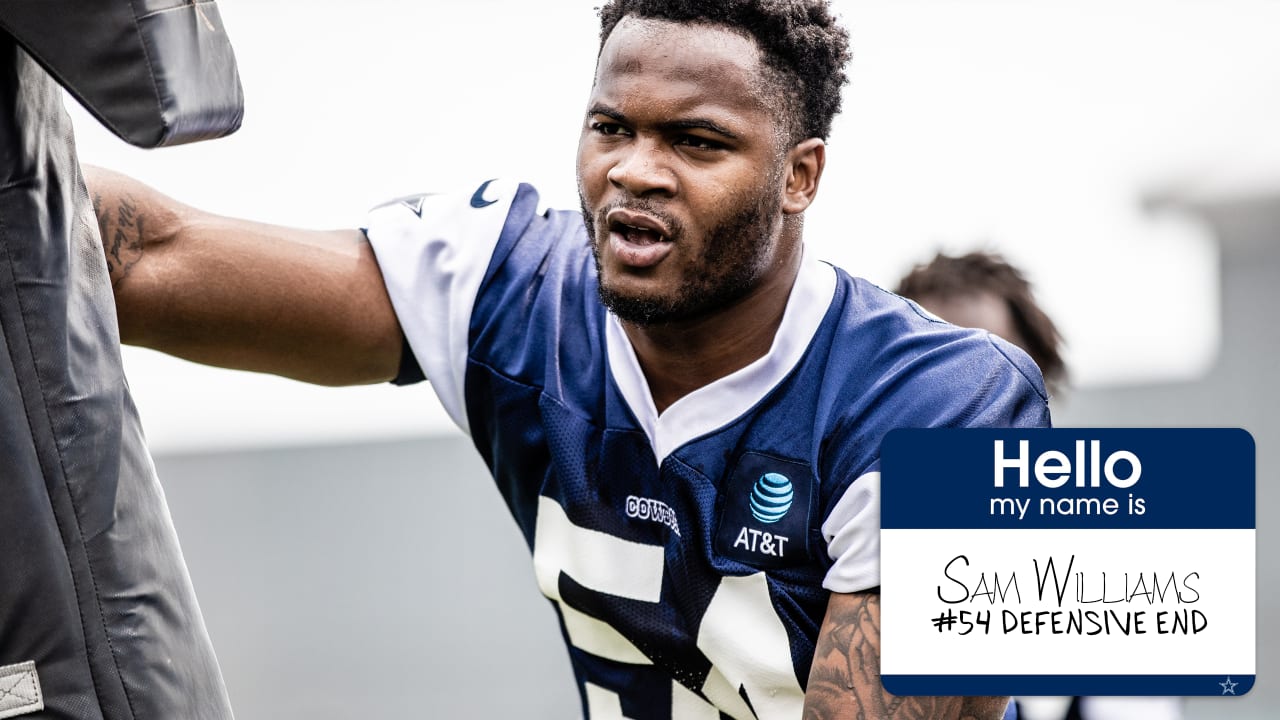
(98, 619)
(154, 72)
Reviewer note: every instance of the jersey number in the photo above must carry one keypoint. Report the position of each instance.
(757, 662)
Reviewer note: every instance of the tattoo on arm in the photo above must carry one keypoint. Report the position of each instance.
(122, 230)
(845, 679)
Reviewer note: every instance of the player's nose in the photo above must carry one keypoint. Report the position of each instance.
(643, 169)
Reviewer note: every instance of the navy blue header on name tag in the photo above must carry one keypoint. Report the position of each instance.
(1068, 478)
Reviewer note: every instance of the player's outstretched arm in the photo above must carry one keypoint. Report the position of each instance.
(845, 679)
(306, 304)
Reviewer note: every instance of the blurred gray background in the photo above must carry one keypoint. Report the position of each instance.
(376, 580)
(352, 558)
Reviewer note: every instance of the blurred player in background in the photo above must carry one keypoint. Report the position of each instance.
(982, 290)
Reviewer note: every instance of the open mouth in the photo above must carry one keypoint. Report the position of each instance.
(638, 235)
(637, 227)
(637, 240)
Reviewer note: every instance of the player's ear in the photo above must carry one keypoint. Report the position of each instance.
(805, 161)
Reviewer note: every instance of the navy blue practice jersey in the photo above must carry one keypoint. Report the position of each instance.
(689, 554)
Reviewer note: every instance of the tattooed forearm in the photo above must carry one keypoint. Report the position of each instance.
(845, 679)
(980, 708)
(122, 226)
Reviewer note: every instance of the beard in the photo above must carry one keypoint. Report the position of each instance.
(734, 257)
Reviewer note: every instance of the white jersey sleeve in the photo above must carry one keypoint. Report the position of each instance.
(433, 251)
(852, 532)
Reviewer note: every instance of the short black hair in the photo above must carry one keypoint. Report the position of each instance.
(947, 277)
(800, 39)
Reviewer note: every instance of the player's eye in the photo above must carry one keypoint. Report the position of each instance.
(607, 128)
(698, 142)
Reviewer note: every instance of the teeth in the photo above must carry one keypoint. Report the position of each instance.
(638, 234)
(646, 237)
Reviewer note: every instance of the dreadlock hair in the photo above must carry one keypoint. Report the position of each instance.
(800, 41)
(950, 278)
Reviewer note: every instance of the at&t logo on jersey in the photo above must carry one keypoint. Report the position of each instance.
(762, 542)
(765, 516)
(771, 497)
(770, 500)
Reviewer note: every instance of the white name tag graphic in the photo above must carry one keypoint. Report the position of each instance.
(1068, 562)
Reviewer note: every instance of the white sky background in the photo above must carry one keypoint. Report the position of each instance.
(1034, 129)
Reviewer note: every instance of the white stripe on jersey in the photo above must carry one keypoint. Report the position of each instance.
(852, 532)
(596, 560)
